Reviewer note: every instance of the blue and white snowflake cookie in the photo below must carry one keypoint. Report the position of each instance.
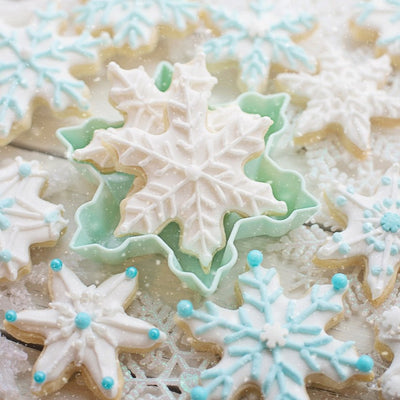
(371, 236)
(273, 343)
(84, 329)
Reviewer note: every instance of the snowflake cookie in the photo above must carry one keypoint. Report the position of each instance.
(372, 234)
(25, 218)
(271, 343)
(388, 343)
(83, 329)
(343, 99)
(35, 67)
(378, 21)
(191, 158)
(136, 24)
(258, 35)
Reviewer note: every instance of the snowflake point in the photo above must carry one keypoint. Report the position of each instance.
(254, 258)
(185, 308)
(365, 363)
(339, 282)
(11, 316)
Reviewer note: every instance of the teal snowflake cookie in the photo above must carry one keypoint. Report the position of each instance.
(271, 342)
(378, 21)
(35, 66)
(136, 24)
(371, 236)
(258, 35)
(83, 329)
(25, 218)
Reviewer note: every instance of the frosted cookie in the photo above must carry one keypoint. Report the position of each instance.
(136, 24)
(190, 159)
(258, 35)
(388, 343)
(271, 344)
(38, 67)
(25, 218)
(83, 329)
(371, 236)
(342, 99)
(378, 22)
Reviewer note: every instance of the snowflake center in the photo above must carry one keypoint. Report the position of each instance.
(258, 28)
(273, 335)
(390, 222)
(25, 54)
(193, 172)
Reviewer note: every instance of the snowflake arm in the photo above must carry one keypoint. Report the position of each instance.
(273, 342)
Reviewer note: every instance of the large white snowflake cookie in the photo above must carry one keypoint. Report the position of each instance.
(378, 21)
(273, 343)
(83, 329)
(25, 218)
(257, 35)
(36, 65)
(191, 158)
(342, 99)
(371, 236)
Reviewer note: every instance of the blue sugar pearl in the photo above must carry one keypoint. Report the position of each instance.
(185, 309)
(107, 383)
(386, 180)
(365, 363)
(339, 281)
(131, 272)
(82, 320)
(39, 377)
(344, 248)
(11, 316)
(5, 255)
(341, 201)
(56, 264)
(337, 237)
(198, 393)
(154, 334)
(25, 170)
(254, 258)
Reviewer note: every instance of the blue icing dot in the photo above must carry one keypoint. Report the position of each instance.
(365, 363)
(344, 248)
(389, 270)
(376, 271)
(56, 264)
(390, 222)
(11, 316)
(387, 203)
(377, 207)
(39, 377)
(386, 180)
(198, 393)
(341, 201)
(6, 203)
(185, 308)
(154, 334)
(379, 245)
(83, 320)
(350, 189)
(394, 250)
(370, 240)
(5, 255)
(53, 216)
(131, 272)
(367, 227)
(337, 237)
(254, 258)
(25, 170)
(107, 383)
(368, 214)
(339, 281)
(398, 203)
(4, 222)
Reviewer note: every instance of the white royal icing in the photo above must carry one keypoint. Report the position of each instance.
(192, 157)
(372, 231)
(86, 326)
(343, 93)
(25, 218)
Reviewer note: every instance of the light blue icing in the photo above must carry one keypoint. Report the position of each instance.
(337, 237)
(377, 207)
(389, 270)
(390, 222)
(107, 383)
(39, 377)
(280, 371)
(341, 201)
(56, 264)
(254, 258)
(154, 334)
(344, 248)
(131, 272)
(25, 170)
(398, 203)
(386, 180)
(376, 271)
(387, 203)
(379, 245)
(394, 250)
(5, 255)
(83, 320)
(368, 214)
(11, 316)
(4, 220)
(52, 217)
(350, 189)
(367, 227)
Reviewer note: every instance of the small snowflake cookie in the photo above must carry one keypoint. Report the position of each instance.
(135, 24)
(342, 99)
(36, 64)
(191, 159)
(388, 344)
(371, 236)
(25, 218)
(83, 329)
(378, 21)
(258, 35)
(273, 344)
